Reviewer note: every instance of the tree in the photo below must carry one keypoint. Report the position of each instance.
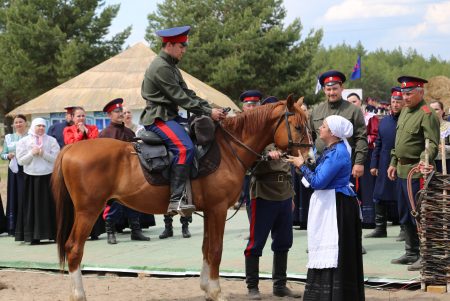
(46, 42)
(237, 45)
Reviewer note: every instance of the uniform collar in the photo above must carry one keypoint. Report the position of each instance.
(171, 60)
(117, 125)
(419, 105)
(335, 104)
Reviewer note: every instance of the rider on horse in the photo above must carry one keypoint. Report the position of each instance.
(165, 90)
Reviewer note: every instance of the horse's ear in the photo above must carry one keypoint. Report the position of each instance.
(290, 102)
(300, 100)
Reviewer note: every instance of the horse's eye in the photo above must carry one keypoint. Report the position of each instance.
(298, 128)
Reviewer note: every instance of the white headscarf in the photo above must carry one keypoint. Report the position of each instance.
(341, 128)
(32, 130)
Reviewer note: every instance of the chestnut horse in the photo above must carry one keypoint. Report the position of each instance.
(88, 173)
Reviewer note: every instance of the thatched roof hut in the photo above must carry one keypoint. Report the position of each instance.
(119, 76)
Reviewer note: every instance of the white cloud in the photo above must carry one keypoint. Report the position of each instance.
(437, 16)
(367, 9)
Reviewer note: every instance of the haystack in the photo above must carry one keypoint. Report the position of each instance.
(438, 88)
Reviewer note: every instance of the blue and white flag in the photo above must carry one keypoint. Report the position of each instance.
(318, 86)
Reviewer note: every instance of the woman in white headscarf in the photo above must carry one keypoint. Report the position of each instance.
(36, 219)
(335, 268)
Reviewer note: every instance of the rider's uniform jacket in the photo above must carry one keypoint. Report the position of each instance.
(164, 90)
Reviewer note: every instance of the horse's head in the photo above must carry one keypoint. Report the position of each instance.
(291, 131)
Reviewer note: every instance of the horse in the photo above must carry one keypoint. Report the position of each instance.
(88, 173)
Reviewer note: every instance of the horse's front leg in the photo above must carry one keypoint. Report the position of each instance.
(216, 226)
(204, 275)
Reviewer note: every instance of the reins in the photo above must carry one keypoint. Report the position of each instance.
(291, 143)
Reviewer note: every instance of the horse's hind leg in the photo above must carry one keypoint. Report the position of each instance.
(216, 226)
(74, 249)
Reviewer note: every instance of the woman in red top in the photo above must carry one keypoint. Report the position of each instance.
(79, 130)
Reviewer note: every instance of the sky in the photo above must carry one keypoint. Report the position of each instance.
(420, 24)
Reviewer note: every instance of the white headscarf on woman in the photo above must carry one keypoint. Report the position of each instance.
(341, 128)
(32, 130)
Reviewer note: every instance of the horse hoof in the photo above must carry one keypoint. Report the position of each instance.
(76, 297)
(219, 298)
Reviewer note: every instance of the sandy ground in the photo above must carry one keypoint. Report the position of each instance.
(39, 286)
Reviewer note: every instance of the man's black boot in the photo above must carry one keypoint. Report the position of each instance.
(279, 276)
(178, 176)
(380, 222)
(136, 230)
(185, 226)
(411, 246)
(168, 229)
(252, 277)
(401, 235)
(110, 228)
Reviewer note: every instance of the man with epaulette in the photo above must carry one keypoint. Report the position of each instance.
(112, 213)
(332, 83)
(271, 195)
(164, 90)
(417, 122)
(384, 193)
(57, 130)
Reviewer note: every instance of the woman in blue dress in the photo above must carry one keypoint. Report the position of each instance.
(335, 266)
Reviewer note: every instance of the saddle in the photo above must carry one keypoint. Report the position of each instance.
(155, 158)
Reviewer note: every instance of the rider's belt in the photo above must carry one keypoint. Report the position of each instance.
(405, 161)
(282, 177)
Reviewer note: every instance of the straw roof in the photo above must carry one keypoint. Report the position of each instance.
(119, 76)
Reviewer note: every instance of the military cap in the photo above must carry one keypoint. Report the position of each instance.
(112, 105)
(69, 110)
(331, 77)
(396, 93)
(270, 99)
(251, 97)
(408, 83)
(175, 34)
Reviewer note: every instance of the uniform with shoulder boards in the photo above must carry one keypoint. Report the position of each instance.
(417, 122)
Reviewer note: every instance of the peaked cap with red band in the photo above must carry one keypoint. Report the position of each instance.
(408, 83)
(396, 93)
(69, 110)
(270, 99)
(112, 105)
(251, 97)
(331, 78)
(175, 34)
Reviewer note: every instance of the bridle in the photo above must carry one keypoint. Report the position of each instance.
(291, 143)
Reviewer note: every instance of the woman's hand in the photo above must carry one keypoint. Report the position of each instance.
(35, 150)
(10, 156)
(82, 128)
(296, 161)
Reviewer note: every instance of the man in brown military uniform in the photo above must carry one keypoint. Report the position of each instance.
(113, 212)
(416, 123)
(270, 212)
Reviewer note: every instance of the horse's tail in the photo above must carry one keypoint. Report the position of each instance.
(64, 207)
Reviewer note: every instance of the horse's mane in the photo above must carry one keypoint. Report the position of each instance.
(253, 119)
